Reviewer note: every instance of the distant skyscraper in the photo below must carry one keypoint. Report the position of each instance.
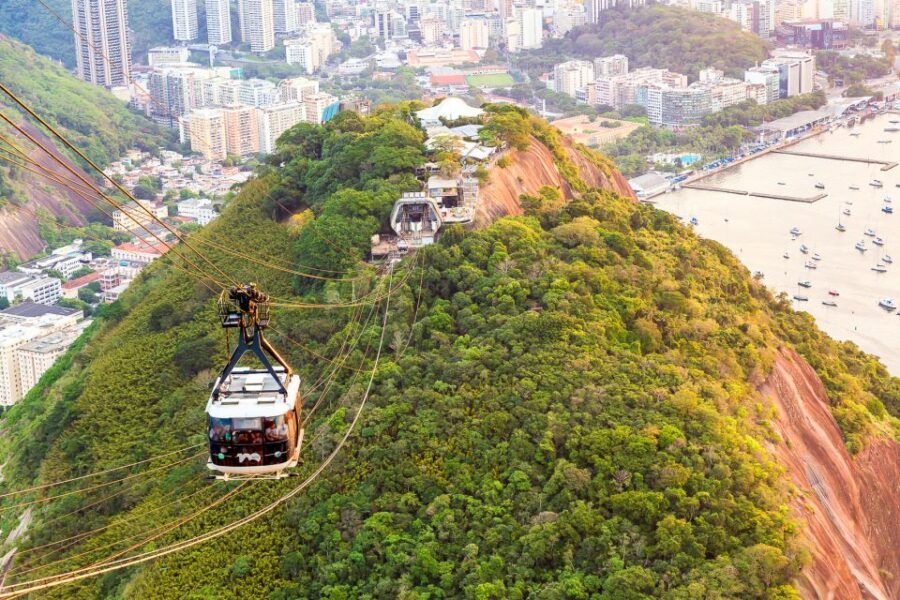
(284, 14)
(102, 51)
(306, 13)
(841, 11)
(257, 24)
(184, 20)
(532, 24)
(218, 22)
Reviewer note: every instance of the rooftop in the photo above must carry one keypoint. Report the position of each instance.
(31, 310)
(797, 120)
(50, 343)
(81, 281)
(253, 393)
(7, 277)
(451, 109)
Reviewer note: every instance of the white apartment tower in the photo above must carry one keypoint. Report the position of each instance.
(102, 50)
(474, 33)
(257, 24)
(218, 22)
(184, 20)
(306, 13)
(532, 27)
(572, 76)
(285, 16)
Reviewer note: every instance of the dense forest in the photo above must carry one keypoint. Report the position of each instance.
(666, 37)
(95, 120)
(35, 24)
(564, 406)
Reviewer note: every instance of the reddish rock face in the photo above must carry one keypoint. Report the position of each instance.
(850, 505)
(531, 170)
(19, 228)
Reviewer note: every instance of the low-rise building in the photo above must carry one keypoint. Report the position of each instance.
(70, 288)
(199, 209)
(140, 252)
(17, 286)
(136, 215)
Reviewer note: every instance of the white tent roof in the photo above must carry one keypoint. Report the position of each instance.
(450, 108)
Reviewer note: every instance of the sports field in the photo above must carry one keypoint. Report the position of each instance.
(490, 80)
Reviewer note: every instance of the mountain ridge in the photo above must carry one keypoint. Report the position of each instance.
(568, 402)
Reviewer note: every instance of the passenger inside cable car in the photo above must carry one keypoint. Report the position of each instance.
(251, 442)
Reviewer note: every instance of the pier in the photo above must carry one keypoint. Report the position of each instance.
(713, 188)
(885, 165)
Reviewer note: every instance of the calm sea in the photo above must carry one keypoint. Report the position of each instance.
(757, 229)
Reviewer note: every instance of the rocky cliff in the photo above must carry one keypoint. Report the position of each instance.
(19, 226)
(850, 505)
(530, 170)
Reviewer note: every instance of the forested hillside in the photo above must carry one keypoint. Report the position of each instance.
(667, 37)
(566, 404)
(95, 120)
(37, 26)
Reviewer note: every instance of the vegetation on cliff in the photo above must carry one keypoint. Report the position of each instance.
(565, 407)
(92, 118)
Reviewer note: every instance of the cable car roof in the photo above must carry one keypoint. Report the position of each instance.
(248, 393)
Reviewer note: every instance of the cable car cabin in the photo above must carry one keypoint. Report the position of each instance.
(254, 428)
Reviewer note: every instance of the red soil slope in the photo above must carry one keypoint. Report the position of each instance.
(19, 228)
(851, 506)
(531, 170)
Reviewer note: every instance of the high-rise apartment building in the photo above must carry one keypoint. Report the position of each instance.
(571, 76)
(474, 33)
(257, 23)
(768, 77)
(284, 15)
(306, 13)
(609, 66)
(102, 50)
(275, 120)
(532, 27)
(241, 130)
(218, 22)
(184, 20)
(204, 128)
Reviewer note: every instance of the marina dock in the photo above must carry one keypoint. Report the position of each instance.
(713, 188)
(885, 165)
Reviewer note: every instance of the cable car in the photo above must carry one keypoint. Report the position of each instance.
(253, 414)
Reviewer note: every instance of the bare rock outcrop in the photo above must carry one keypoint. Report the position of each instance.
(530, 170)
(19, 227)
(850, 505)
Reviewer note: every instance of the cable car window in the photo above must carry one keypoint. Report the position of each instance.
(247, 424)
(276, 429)
(219, 429)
